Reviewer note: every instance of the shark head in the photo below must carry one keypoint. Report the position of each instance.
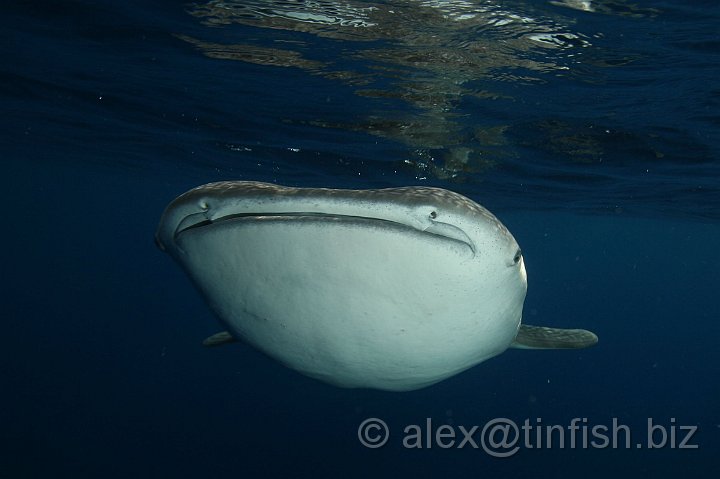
(433, 211)
(392, 288)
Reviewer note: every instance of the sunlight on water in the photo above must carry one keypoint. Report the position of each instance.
(428, 54)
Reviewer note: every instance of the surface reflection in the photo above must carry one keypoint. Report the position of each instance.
(427, 54)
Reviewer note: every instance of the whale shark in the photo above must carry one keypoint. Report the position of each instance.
(393, 289)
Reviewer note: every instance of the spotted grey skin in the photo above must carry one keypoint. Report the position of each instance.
(416, 206)
(392, 289)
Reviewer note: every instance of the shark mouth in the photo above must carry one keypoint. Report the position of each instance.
(439, 229)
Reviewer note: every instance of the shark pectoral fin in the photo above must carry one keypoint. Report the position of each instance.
(218, 339)
(540, 337)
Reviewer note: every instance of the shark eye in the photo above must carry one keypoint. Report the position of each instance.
(433, 215)
(518, 255)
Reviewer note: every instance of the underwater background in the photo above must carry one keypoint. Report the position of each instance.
(590, 128)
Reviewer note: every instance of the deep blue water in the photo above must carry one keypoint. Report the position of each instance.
(594, 134)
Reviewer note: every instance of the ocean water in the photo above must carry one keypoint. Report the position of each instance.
(590, 128)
